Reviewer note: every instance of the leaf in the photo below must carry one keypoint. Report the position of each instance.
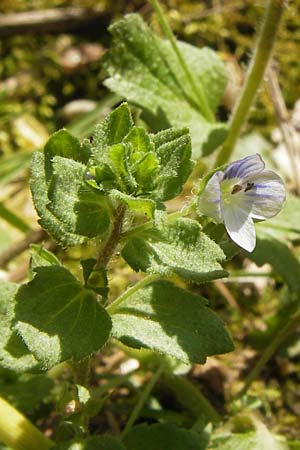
(261, 439)
(62, 143)
(172, 321)
(281, 258)
(144, 167)
(48, 221)
(81, 210)
(40, 256)
(173, 148)
(58, 318)
(13, 353)
(286, 225)
(69, 209)
(112, 130)
(162, 437)
(180, 248)
(144, 206)
(144, 69)
(104, 442)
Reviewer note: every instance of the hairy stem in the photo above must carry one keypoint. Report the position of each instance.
(18, 433)
(259, 62)
(196, 86)
(142, 400)
(276, 341)
(108, 250)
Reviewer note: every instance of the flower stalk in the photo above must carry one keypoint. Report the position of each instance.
(257, 67)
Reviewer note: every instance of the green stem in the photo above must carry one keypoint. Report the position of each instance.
(259, 62)
(142, 400)
(276, 341)
(114, 305)
(196, 87)
(18, 433)
(191, 398)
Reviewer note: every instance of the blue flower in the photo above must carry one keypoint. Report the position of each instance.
(245, 190)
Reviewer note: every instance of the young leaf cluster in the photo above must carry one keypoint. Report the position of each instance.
(112, 189)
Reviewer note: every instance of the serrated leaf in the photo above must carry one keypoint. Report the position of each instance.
(143, 206)
(179, 248)
(74, 203)
(173, 147)
(58, 318)
(112, 130)
(48, 221)
(69, 209)
(172, 321)
(62, 143)
(281, 258)
(163, 437)
(93, 443)
(144, 69)
(13, 353)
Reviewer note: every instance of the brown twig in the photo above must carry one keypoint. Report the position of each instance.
(114, 238)
(225, 292)
(283, 118)
(19, 247)
(50, 20)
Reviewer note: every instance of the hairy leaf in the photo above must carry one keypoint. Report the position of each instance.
(48, 221)
(69, 209)
(112, 130)
(179, 248)
(144, 69)
(13, 353)
(58, 318)
(173, 147)
(172, 321)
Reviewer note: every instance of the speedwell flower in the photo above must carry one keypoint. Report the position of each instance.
(245, 190)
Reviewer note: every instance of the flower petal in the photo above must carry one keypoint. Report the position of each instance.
(239, 226)
(267, 195)
(209, 201)
(245, 168)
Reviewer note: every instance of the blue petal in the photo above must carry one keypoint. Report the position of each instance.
(209, 201)
(268, 195)
(245, 168)
(239, 226)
